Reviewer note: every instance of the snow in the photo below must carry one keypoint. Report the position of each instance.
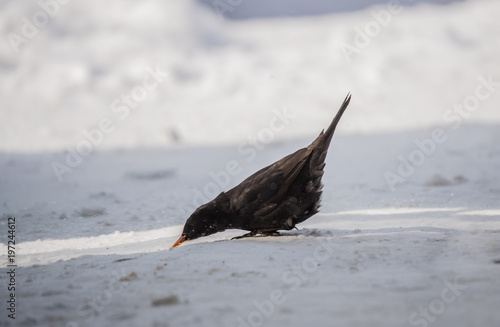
(408, 232)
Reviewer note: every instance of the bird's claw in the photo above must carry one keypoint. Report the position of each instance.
(254, 233)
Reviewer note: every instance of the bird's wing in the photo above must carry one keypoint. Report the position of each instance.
(260, 193)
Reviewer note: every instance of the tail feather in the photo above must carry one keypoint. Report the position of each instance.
(319, 147)
(331, 129)
(322, 142)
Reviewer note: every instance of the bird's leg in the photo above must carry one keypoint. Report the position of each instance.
(255, 232)
(252, 233)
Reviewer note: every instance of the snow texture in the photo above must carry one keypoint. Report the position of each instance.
(119, 118)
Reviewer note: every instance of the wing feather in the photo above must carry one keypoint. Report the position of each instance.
(250, 196)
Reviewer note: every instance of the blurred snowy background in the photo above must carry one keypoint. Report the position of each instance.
(225, 75)
(119, 117)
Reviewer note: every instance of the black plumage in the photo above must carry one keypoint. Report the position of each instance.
(277, 197)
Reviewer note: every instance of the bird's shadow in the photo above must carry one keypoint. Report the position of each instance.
(304, 232)
(318, 232)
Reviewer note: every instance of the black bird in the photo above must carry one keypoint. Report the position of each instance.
(277, 197)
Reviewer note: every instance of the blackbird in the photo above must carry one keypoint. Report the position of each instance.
(277, 197)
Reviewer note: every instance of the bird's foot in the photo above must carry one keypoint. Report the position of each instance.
(251, 234)
(254, 233)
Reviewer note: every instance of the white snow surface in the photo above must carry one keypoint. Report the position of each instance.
(93, 246)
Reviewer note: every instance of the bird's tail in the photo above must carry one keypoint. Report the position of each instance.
(319, 147)
(331, 129)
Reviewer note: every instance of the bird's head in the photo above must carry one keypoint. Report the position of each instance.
(203, 221)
